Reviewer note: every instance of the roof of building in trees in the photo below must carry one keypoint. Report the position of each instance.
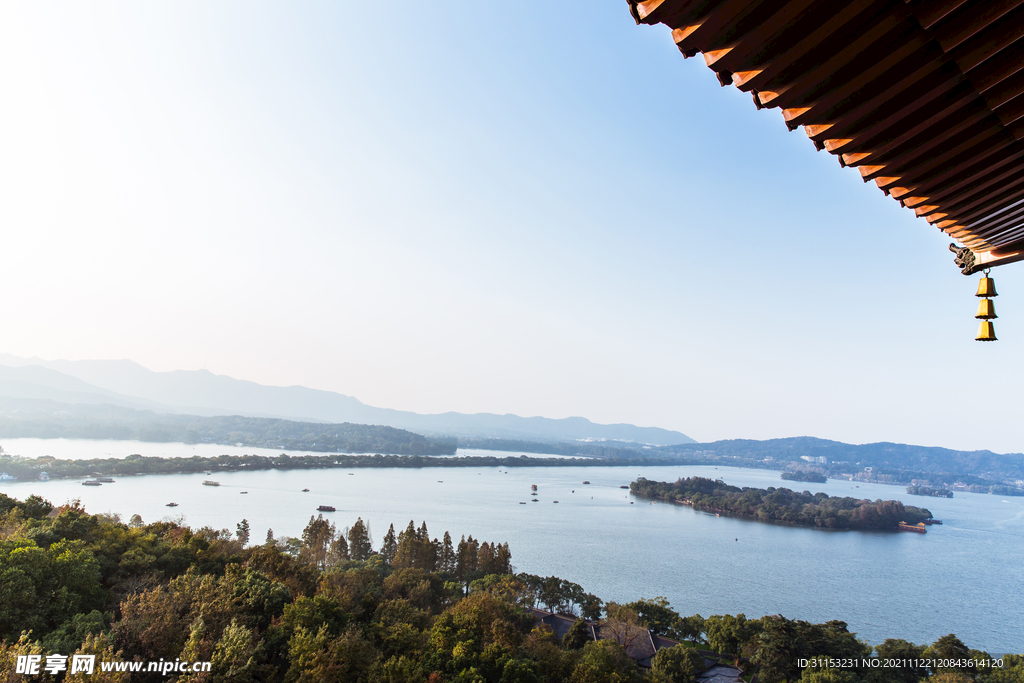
(923, 97)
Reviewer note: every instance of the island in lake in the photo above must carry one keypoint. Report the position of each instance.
(814, 477)
(782, 505)
(927, 491)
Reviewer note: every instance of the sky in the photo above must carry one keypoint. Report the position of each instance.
(522, 207)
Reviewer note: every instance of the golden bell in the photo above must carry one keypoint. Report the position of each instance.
(986, 310)
(986, 331)
(986, 287)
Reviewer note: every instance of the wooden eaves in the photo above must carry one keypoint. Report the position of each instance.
(923, 97)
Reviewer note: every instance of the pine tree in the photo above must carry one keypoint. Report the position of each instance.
(317, 539)
(406, 552)
(483, 558)
(242, 531)
(270, 537)
(390, 545)
(446, 559)
(339, 549)
(359, 544)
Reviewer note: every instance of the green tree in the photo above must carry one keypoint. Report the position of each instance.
(242, 532)
(656, 615)
(577, 636)
(317, 538)
(605, 661)
(949, 647)
(359, 543)
(677, 664)
(902, 650)
(389, 546)
(446, 558)
(727, 633)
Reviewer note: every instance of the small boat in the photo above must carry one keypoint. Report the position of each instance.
(522, 502)
(92, 483)
(172, 505)
(917, 528)
(105, 480)
(326, 508)
(6, 477)
(305, 490)
(585, 481)
(243, 492)
(440, 481)
(211, 483)
(534, 500)
(623, 487)
(554, 501)
(533, 487)
(717, 515)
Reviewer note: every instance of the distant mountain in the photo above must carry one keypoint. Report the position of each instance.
(201, 392)
(35, 382)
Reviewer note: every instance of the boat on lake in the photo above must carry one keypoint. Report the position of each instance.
(305, 490)
(211, 483)
(172, 505)
(92, 483)
(105, 480)
(917, 528)
(585, 481)
(623, 487)
(243, 492)
(326, 508)
(533, 487)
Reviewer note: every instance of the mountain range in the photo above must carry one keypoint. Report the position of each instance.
(127, 384)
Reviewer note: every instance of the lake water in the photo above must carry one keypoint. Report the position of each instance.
(963, 577)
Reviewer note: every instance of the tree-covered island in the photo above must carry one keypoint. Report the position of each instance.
(804, 475)
(928, 491)
(781, 504)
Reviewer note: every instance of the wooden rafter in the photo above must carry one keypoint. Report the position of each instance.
(923, 97)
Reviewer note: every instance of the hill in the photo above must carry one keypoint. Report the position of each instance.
(45, 419)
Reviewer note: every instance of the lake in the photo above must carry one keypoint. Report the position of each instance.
(963, 577)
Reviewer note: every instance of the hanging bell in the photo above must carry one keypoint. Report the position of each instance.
(986, 287)
(986, 310)
(986, 331)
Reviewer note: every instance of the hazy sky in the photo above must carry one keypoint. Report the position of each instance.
(527, 207)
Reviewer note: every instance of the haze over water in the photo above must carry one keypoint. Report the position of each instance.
(962, 577)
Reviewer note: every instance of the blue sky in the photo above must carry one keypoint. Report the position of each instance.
(535, 208)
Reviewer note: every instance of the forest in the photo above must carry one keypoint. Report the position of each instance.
(781, 504)
(52, 420)
(330, 606)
